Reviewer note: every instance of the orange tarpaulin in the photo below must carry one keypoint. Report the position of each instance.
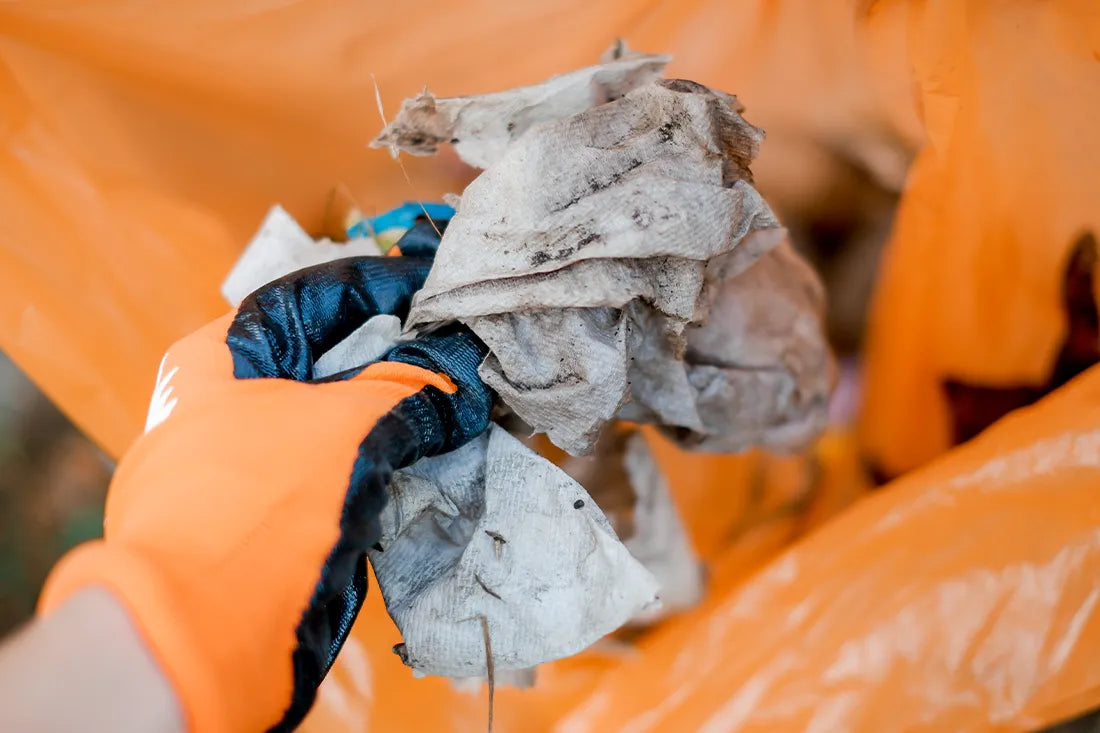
(142, 143)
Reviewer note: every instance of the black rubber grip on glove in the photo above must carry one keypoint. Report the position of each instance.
(281, 329)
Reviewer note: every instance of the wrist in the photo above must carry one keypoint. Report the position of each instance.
(162, 625)
(111, 683)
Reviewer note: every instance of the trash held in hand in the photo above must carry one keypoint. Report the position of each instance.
(618, 262)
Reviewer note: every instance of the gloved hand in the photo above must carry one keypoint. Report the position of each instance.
(236, 527)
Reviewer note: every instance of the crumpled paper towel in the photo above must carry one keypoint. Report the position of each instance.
(494, 530)
(280, 247)
(587, 242)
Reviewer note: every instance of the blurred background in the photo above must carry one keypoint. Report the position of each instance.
(52, 484)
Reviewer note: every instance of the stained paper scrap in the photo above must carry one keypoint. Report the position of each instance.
(586, 246)
(494, 530)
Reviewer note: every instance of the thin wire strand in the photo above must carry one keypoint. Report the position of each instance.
(397, 156)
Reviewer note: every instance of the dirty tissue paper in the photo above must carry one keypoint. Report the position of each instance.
(590, 244)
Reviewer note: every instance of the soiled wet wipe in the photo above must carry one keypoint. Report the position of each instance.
(757, 372)
(494, 530)
(584, 252)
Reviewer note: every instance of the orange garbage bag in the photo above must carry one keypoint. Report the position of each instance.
(985, 300)
(963, 597)
(142, 142)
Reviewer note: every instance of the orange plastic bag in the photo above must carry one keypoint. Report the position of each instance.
(963, 597)
(970, 290)
(142, 143)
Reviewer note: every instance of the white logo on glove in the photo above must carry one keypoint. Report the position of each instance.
(160, 406)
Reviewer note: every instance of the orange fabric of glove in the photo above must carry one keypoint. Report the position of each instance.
(225, 519)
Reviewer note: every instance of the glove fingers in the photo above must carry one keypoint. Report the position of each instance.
(281, 329)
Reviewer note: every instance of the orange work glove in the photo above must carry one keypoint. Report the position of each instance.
(236, 526)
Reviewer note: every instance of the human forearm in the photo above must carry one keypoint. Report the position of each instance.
(84, 667)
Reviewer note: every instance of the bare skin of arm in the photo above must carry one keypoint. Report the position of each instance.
(84, 667)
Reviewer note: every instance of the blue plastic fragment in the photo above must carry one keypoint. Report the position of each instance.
(400, 218)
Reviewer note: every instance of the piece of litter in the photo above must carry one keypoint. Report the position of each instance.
(562, 580)
(758, 372)
(365, 344)
(401, 218)
(280, 247)
(587, 243)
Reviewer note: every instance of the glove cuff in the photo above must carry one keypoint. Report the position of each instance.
(159, 620)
